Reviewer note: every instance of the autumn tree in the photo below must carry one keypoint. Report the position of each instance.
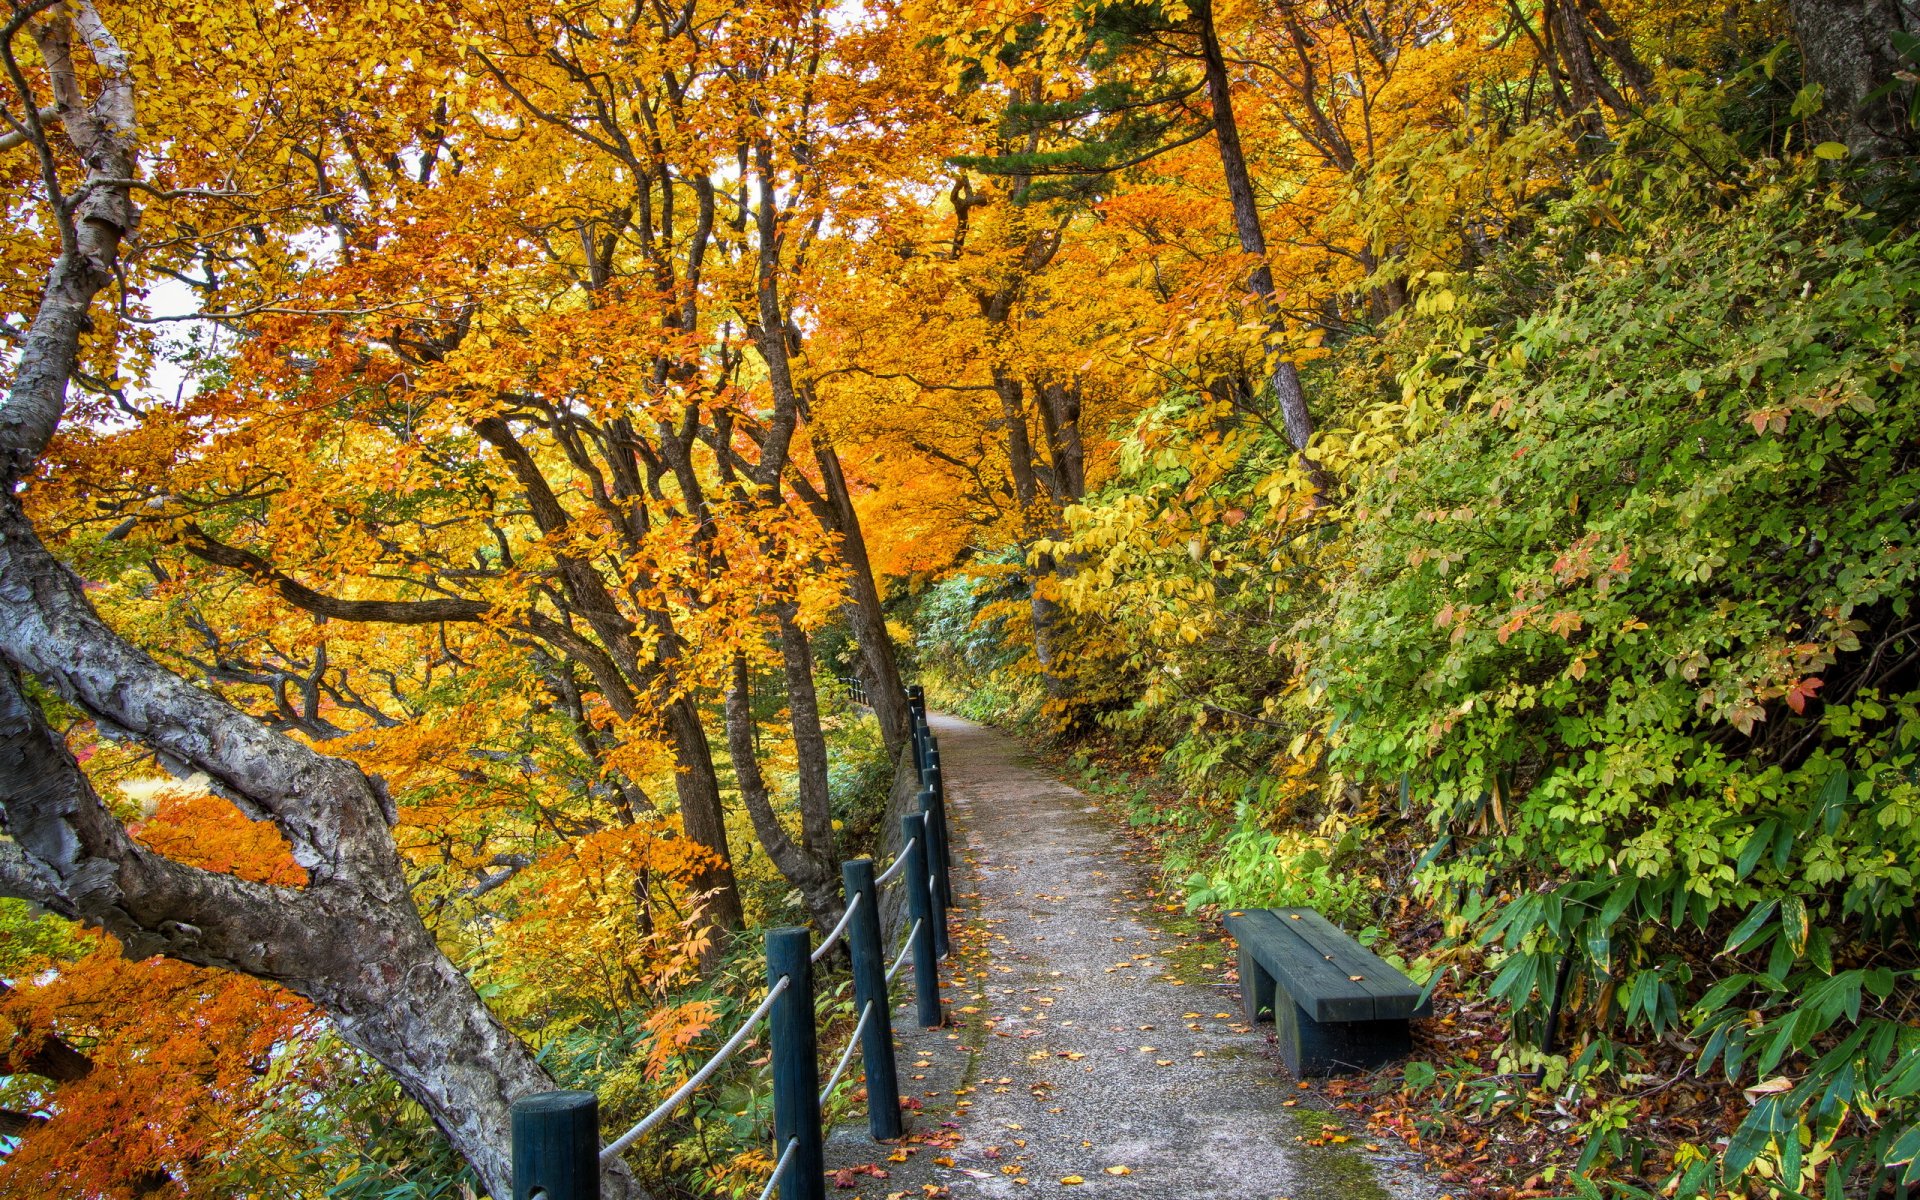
(350, 938)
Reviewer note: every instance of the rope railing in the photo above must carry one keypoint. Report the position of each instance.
(779, 1168)
(846, 1053)
(554, 1133)
(905, 952)
(827, 943)
(899, 864)
(685, 1091)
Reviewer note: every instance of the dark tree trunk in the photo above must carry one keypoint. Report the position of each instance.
(1847, 46)
(809, 742)
(864, 613)
(701, 811)
(1285, 377)
(817, 880)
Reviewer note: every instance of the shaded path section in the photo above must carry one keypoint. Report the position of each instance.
(1086, 1036)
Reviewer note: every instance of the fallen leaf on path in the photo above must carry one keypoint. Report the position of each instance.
(1119, 1170)
(1070, 1180)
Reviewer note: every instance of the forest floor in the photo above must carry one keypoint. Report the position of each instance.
(1094, 1044)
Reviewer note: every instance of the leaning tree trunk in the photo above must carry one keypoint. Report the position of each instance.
(865, 616)
(1285, 377)
(351, 939)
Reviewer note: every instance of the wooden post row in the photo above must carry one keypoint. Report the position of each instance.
(937, 782)
(556, 1135)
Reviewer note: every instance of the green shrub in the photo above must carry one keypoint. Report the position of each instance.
(1636, 628)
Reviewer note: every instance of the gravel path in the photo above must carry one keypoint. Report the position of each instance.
(1086, 1040)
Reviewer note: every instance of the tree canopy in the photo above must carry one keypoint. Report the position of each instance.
(454, 453)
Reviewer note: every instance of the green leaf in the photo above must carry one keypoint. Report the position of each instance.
(1794, 922)
(1832, 801)
(1599, 949)
(1757, 844)
(1752, 1138)
(1743, 932)
(1831, 151)
(1716, 997)
(1617, 901)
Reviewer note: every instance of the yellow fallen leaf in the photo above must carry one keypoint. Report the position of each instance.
(1070, 1180)
(1119, 1170)
(943, 1161)
(1163, 1062)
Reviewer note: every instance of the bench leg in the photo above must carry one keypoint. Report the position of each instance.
(1312, 1048)
(1256, 989)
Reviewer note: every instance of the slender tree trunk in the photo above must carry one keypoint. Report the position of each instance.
(701, 812)
(1026, 490)
(817, 881)
(809, 743)
(864, 613)
(1284, 376)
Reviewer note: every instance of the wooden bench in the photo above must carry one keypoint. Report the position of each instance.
(1335, 1006)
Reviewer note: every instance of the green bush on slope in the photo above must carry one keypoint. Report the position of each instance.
(1637, 630)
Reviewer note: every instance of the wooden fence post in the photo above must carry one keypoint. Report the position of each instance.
(870, 987)
(936, 872)
(936, 780)
(926, 968)
(796, 1065)
(556, 1146)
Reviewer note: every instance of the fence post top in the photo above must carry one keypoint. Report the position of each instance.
(546, 1102)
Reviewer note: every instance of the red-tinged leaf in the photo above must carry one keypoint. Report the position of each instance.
(1802, 691)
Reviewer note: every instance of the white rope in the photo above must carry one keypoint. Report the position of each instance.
(773, 1180)
(846, 1053)
(827, 942)
(904, 951)
(899, 865)
(705, 1073)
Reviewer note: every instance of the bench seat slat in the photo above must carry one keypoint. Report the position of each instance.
(1318, 986)
(1394, 995)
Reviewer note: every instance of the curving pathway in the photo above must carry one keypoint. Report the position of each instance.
(1088, 1039)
